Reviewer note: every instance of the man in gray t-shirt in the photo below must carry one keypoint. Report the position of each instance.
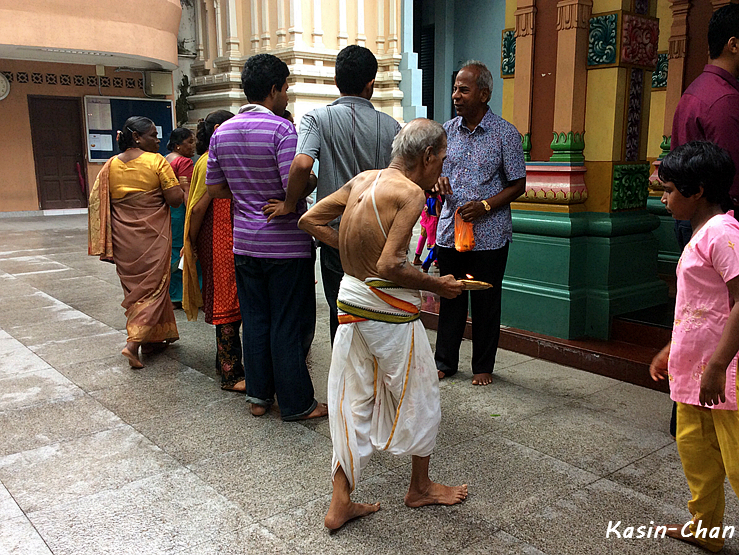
(347, 137)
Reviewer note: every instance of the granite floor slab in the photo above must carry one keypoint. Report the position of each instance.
(63, 472)
(99, 458)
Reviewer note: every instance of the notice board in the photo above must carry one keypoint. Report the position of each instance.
(105, 115)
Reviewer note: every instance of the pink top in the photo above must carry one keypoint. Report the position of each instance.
(702, 308)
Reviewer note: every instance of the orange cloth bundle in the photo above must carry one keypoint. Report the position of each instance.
(464, 238)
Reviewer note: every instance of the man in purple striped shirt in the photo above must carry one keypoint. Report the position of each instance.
(249, 160)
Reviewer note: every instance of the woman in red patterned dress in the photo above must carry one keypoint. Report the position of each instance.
(209, 236)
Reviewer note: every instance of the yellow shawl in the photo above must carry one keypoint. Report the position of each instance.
(192, 298)
(99, 232)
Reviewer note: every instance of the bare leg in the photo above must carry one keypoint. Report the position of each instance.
(131, 352)
(342, 508)
(425, 492)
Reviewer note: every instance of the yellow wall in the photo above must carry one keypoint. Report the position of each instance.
(657, 112)
(19, 174)
(656, 124)
(510, 11)
(604, 114)
(508, 97)
(664, 13)
(600, 6)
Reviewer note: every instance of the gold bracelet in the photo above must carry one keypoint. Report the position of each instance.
(486, 205)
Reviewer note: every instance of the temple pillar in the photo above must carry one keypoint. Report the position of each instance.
(525, 15)
(584, 211)
(573, 17)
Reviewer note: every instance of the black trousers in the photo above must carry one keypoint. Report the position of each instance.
(484, 309)
(277, 298)
(331, 274)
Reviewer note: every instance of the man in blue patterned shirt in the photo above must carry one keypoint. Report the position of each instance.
(483, 173)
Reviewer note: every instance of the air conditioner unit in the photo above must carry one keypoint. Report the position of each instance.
(158, 83)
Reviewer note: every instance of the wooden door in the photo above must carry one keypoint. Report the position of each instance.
(56, 131)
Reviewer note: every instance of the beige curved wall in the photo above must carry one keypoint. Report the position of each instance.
(139, 29)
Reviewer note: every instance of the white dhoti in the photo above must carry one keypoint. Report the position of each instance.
(383, 388)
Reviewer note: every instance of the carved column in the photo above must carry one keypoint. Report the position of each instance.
(361, 37)
(265, 25)
(392, 20)
(219, 27)
(317, 29)
(254, 27)
(380, 41)
(524, 77)
(281, 27)
(232, 42)
(676, 65)
(295, 32)
(343, 35)
(573, 17)
(200, 22)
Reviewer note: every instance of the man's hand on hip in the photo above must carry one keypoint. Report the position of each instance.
(472, 210)
(276, 207)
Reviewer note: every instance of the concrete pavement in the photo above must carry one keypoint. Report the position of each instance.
(97, 458)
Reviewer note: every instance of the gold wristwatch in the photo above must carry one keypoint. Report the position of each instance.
(486, 205)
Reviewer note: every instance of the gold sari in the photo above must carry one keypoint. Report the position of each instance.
(134, 233)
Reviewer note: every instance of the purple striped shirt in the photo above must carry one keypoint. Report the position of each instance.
(252, 153)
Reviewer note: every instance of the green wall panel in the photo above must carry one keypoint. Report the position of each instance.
(569, 274)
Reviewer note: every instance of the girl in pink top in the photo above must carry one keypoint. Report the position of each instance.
(701, 360)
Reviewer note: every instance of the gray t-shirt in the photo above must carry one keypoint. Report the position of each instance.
(347, 137)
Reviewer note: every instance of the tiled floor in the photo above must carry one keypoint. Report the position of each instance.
(96, 458)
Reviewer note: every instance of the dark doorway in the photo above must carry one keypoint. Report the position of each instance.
(426, 65)
(56, 131)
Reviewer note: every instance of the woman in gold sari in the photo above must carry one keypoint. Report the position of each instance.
(129, 225)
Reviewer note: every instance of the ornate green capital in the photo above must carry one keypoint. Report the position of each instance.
(665, 146)
(568, 147)
(630, 186)
(526, 144)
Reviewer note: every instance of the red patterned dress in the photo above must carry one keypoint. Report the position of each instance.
(220, 300)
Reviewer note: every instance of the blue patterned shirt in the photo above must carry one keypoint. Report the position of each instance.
(479, 165)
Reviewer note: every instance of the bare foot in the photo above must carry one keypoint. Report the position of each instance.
(417, 261)
(436, 494)
(258, 410)
(675, 531)
(238, 387)
(482, 379)
(442, 375)
(320, 411)
(339, 514)
(132, 356)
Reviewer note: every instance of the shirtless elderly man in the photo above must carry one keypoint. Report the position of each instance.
(383, 388)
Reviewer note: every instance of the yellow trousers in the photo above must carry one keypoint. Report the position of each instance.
(708, 444)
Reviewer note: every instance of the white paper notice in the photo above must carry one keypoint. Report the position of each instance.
(97, 141)
(159, 131)
(98, 114)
